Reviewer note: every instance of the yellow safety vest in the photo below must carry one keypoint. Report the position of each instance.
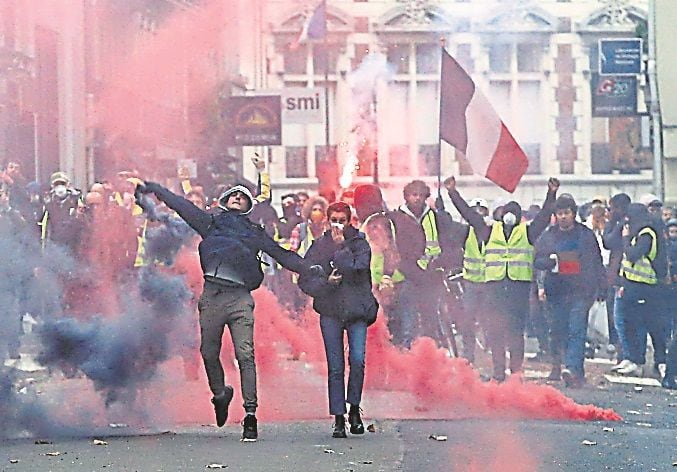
(432, 240)
(474, 269)
(641, 270)
(377, 265)
(140, 260)
(514, 258)
(307, 238)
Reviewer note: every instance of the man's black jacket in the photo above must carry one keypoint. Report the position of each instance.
(352, 298)
(230, 242)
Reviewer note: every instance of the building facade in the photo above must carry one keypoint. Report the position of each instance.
(535, 60)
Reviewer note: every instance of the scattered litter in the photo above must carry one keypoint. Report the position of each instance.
(649, 405)
(638, 389)
(608, 430)
(437, 437)
(216, 466)
(118, 425)
(329, 451)
(586, 442)
(647, 382)
(321, 445)
(646, 425)
(99, 442)
(371, 428)
(43, 441)
(367, 462)
(16, 461)
(54, 453)
(633, 412)
(672, 405)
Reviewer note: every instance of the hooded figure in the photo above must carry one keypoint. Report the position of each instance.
(229, 256)
(640, 308)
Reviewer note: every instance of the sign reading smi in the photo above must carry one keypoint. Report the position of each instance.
(254, 121)
(303, 105)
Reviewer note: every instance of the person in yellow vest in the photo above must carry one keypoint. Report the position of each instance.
(441, 247)
(473, 282)
(61, 221)
(643, 269)
(397, 243)
(509, 257)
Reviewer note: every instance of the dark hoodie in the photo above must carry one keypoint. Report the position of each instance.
(230, 246)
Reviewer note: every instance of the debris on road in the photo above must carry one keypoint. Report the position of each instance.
(646, 425)
(367, 462)
(14, 461)
(329, 451)
(608, 430)
(99, 442)
(437, 437)
(638, 389)
(633, 412)
(587, 442)
(43, 441)
(216, 466)
(371, 428)
(53, 453)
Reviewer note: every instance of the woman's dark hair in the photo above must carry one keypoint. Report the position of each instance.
(339, 207)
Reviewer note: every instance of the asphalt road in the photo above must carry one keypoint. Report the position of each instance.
(645, 440)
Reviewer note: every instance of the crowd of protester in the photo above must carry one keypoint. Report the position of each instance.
(498, 273)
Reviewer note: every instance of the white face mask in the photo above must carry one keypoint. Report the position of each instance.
(509, 219)
(337, 225)
(60, 191)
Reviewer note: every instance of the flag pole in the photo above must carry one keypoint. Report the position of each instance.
(439, 131)
(326, 84)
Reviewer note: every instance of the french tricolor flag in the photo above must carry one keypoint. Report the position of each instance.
(315, 26)
(470, 124)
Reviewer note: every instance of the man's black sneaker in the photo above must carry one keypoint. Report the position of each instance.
(221, 403)
(250, 431)
(356, 425)
(339, 427)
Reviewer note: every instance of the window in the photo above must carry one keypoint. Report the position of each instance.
(528, 57)
(398, 56)
(429, 156)
(428, 58)
(296, 161)
(464, 57)
(400, 163)
(321, 56)
(515, 92)
(499, 57)
(295, 62)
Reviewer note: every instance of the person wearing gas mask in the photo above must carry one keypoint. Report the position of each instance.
(230, 260)
(61, 222)
(509, 256)
(340, 283)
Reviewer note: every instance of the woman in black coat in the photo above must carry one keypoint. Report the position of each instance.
(340, 284)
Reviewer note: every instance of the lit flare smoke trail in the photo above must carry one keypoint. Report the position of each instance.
(364, 82)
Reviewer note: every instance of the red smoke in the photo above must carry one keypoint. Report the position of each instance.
(497, 449)
(422, 383)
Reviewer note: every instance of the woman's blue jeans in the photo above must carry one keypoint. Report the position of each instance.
(332, 334)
